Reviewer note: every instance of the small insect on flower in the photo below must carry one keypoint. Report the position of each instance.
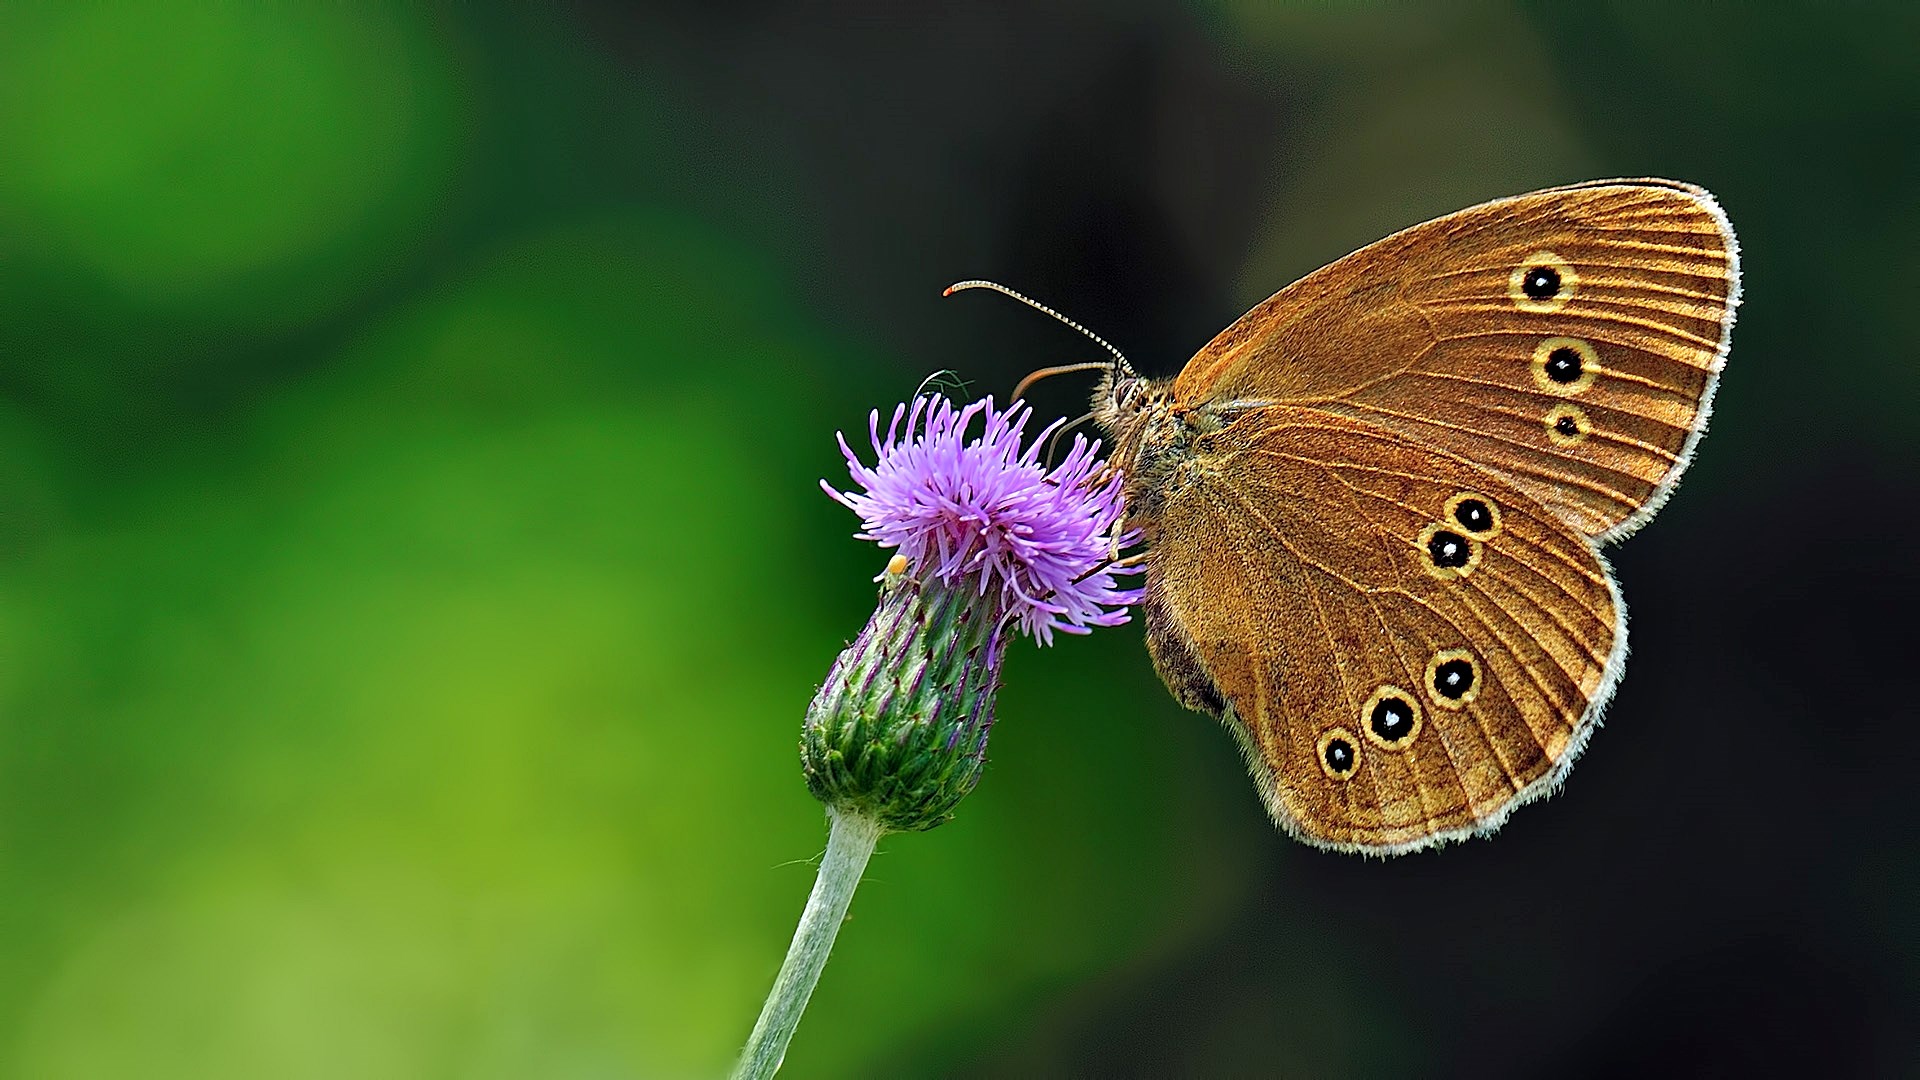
(987, 539)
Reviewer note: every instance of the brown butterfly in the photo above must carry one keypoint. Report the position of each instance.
(1373, 506)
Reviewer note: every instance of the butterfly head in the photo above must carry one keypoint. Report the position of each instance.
(1150, 435)
(1120, 396)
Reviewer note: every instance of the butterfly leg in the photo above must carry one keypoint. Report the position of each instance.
(1114, 562)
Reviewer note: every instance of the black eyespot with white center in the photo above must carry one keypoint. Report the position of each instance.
(1339, 755)
(1472, 512)
(1563, 365)
(1390, 718)
(1567, 426)
(1446, 553)
(1339, 751)
(1448, 550)
(1453, 678)
(1473, 516)
(1540, 283)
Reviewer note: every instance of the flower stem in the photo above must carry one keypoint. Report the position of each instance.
(850, 842)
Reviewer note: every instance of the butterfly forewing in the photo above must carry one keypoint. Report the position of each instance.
(1569, 339)
(1303, 570)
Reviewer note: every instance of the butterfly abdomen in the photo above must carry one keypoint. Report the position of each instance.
(1177, 663)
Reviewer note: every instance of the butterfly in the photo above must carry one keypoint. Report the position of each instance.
(1372, 509)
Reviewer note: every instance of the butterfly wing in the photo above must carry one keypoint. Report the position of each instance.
(1569, 339)
(1317, 581)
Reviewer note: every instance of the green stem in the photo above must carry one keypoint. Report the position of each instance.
(850, 841)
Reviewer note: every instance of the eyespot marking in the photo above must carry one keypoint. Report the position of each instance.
(1390, 718)
(1477, 514)
(1565, 366)
(1567, 425)
(1453, 676)
(1447, 554)
(1339, 754)
(1542, 283)
(1448, 550)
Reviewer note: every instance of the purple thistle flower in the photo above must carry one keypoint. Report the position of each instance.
(988, 538)
(984, 513)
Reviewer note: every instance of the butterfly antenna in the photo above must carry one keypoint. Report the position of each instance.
(1119, 358)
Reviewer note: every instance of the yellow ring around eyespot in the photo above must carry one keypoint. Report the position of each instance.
(1569, 283)
(1493, 508)
(1448, 573)
(1320, 752)
(1433, 673)
(1589, 365)
(1583, 426)
(1366, 718)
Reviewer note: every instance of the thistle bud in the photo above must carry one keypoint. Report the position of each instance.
(898, 733)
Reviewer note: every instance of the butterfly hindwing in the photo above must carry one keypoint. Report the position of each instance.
(1318, 582)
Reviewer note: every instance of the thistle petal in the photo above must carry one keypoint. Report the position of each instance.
(983, 513)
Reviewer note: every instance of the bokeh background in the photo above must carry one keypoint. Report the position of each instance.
(412, 566)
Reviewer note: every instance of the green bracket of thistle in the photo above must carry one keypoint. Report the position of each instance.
(898, 732)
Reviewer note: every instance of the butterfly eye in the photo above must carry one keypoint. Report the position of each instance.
(1339, 756)
(1542, 282)
(1390, 717)
(1454, 677)
(1564, 365)
(1474, 513)
(1567, 425)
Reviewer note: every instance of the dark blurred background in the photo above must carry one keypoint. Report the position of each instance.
(412, 568)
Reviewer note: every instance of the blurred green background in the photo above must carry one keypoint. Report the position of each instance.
(412, 568)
